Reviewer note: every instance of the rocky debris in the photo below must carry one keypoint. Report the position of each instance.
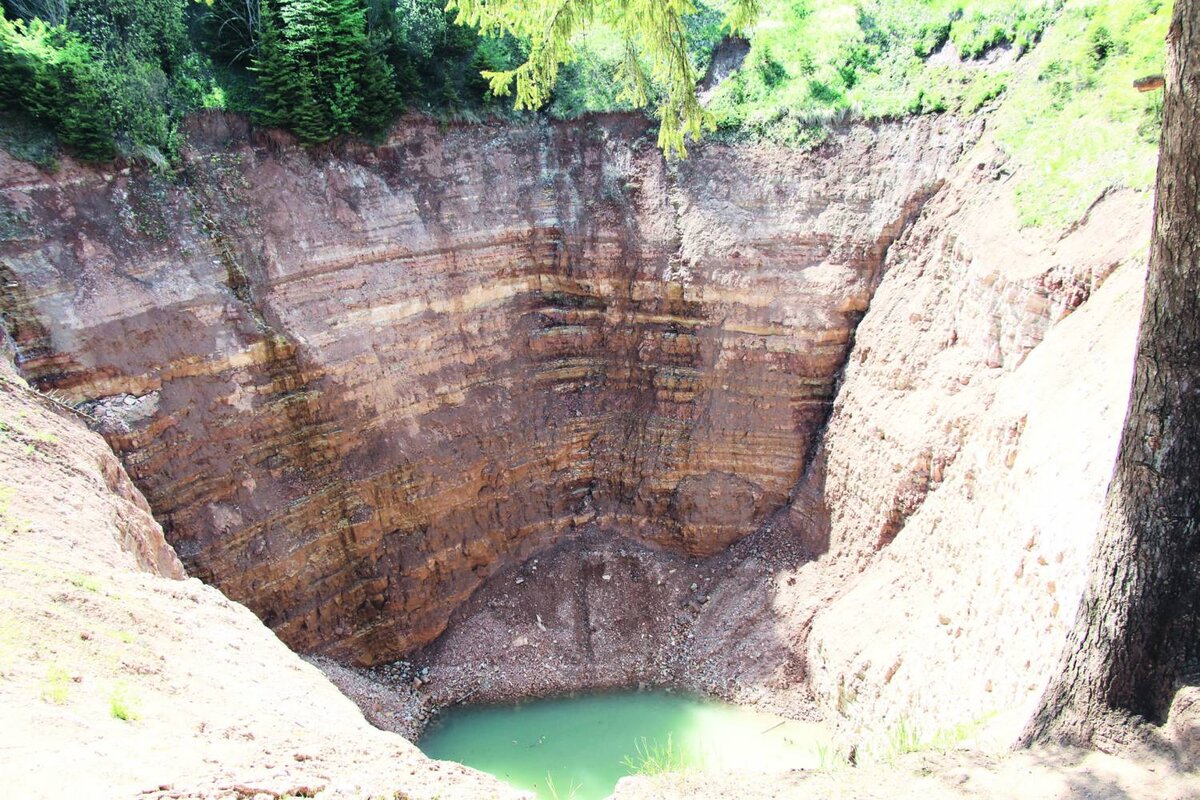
(656, 622)
(386, 695)
(122, 413)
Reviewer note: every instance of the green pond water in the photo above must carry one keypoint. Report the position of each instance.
(578, 747)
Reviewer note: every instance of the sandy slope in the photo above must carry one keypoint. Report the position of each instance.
(96, 623)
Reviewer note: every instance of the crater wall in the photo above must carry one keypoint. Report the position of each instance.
(354, 383)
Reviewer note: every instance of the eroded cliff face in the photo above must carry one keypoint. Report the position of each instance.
(354, 384)
(965, 464)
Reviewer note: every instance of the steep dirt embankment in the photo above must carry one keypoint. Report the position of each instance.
(355, 384)
(119, 678)
(956, 491)
(975, 432)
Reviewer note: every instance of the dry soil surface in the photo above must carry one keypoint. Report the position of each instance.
(120, 679)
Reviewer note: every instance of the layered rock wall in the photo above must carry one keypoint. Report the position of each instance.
(355, 383)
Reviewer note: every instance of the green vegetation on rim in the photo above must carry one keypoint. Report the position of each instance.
(103, 78)
(816, 61)
(1075, 121)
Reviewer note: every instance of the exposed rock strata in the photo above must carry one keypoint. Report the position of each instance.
(358, 384)
(355, 384)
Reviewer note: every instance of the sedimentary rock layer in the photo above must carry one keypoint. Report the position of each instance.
(353, 383)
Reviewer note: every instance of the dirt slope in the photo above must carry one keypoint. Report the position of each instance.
(119, 678)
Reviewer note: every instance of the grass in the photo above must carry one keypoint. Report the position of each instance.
(56, 686)
(830, 758)
(86, 582)
(905, 737)
(816, 61)
(652, 757)
(900, 739)
(1080, 80)
(572, 791)
(122, 704)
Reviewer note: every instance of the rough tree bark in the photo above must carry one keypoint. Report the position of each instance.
(1137, 633)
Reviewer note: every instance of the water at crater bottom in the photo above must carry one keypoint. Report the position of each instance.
(575, 747)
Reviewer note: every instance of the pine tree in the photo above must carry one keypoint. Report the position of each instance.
(49, 74)
(84, 119)
(318, 72)
(343, 50)
(379, 101)
(1136, 636)
(277, 76)
(651, 28)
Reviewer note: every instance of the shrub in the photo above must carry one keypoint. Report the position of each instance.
(53, 76)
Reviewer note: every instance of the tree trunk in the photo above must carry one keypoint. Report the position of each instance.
(1137, 633)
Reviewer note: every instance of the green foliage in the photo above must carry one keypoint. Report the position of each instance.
(108, 77)
(88, 582)
(229, 30)
(438, 64)
(654, 62)
(104, 76)
(903, 738)
(983, 91)
(999, 22)
(29, 140)
(51, 75)
(319, 73)
(871, 58)
(151, 75)
(830, 758)
(1079, 80)
(587, 82)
